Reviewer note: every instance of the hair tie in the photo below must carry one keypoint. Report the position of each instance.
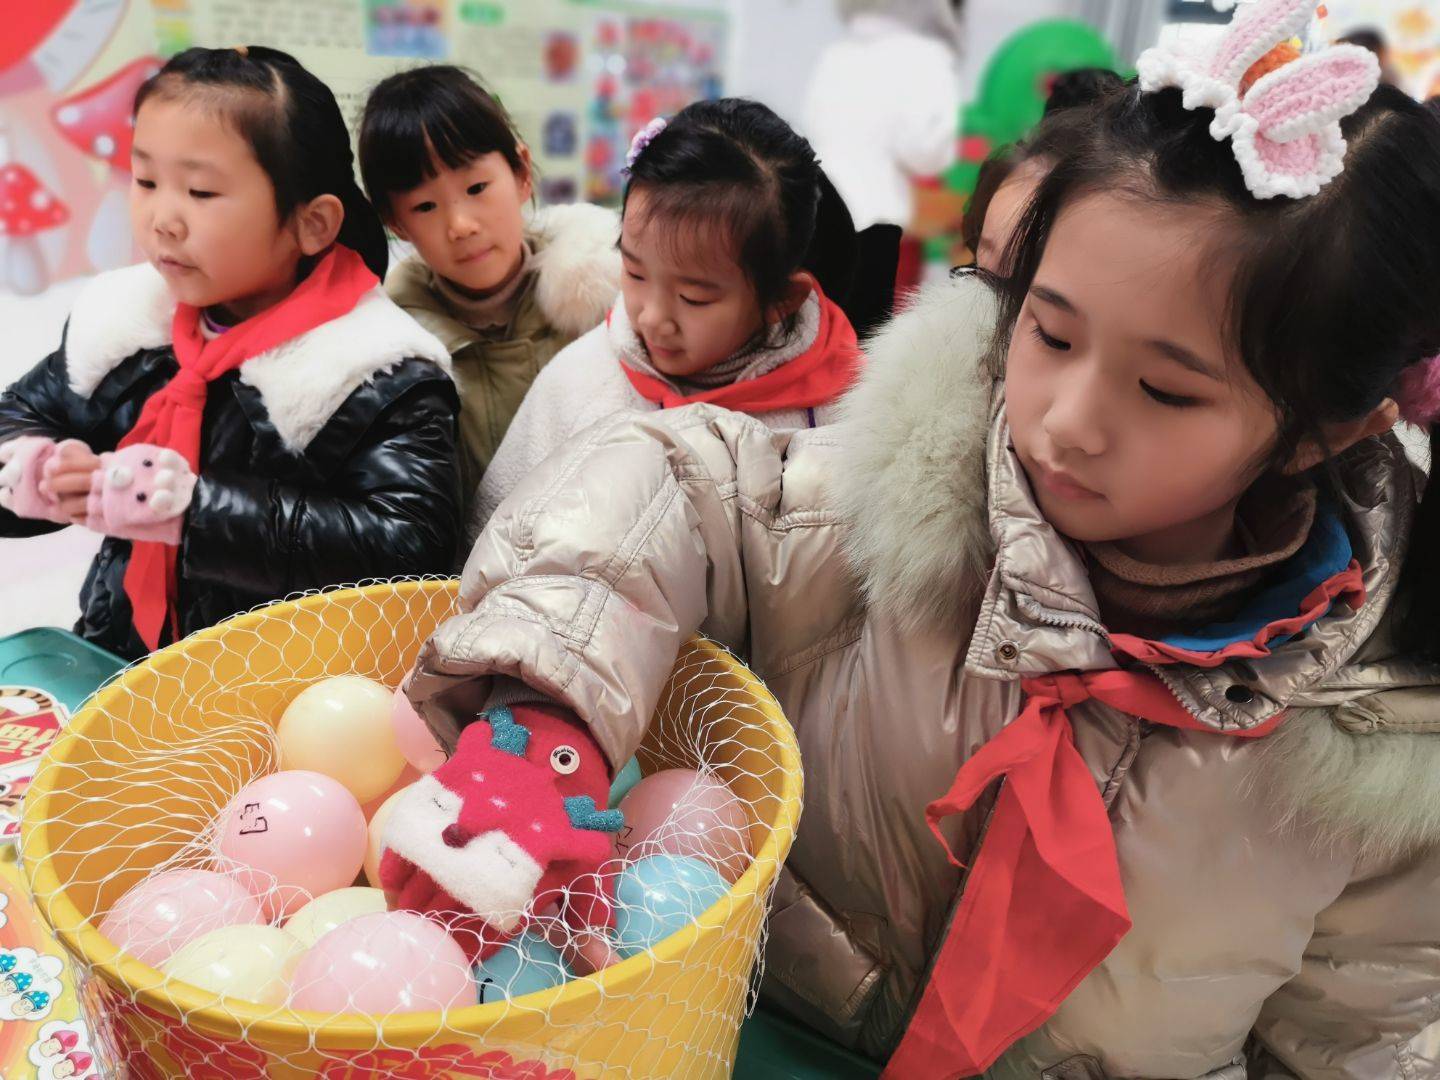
(1418, 392)
(1277, 97)
(643, 138)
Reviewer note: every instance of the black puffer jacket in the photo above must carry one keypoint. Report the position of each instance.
(328, 460)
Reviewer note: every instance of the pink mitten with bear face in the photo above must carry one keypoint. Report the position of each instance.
(141, 493)
(22, 467)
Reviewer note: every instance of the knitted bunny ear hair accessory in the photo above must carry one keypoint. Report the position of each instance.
(1284, 126)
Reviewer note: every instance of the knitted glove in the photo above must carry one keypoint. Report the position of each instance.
(504, 829)
(140, 493)
(22, 467)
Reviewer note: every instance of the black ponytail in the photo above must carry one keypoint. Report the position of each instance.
(834, 249)
(292, 122)
(734, 163)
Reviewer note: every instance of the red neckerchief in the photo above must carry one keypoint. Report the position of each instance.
(1044, 903)
(816, 377)
(173, 415)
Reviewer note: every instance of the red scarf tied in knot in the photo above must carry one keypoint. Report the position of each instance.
(173, 415)
(818, 376)
(1044, 903)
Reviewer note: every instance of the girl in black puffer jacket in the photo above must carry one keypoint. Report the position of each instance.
(246, 414)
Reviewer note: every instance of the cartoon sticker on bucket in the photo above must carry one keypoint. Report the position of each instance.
(29, 984)
(62, 1051)
(29, 721)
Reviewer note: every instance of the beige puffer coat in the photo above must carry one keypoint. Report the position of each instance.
(892, 579)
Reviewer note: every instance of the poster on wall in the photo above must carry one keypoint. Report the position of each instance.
(580, 77)
(641, 68)
(66, 67)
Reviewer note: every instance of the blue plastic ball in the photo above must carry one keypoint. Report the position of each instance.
(660, 894)
(522, 966)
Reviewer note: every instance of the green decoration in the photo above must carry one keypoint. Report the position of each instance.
(1013, 91)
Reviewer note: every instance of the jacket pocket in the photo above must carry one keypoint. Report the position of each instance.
(814, 969)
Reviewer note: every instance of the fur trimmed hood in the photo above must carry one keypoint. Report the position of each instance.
(912, 481)
(1362, 745)
(577, 265)
(302, 383)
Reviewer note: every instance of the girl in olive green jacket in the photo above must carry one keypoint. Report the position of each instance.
(503, 288)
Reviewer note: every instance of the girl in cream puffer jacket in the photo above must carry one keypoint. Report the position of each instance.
(1212, 848)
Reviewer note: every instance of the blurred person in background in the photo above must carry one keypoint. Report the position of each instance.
(882, 111)
(1010, 176)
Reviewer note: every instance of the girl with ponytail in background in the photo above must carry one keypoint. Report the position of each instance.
(737, 253)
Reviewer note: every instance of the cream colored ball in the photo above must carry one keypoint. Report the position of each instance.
(325, 913)
(341, 727)
(253, 963)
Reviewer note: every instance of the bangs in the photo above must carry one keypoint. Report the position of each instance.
(418, 122)
(703, 223)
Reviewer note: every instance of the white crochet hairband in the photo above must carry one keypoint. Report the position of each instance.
(1278, 101)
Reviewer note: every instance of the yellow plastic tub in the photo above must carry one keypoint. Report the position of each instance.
(148, 762)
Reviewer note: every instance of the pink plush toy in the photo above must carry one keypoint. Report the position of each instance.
(510, 824)
(140, 493)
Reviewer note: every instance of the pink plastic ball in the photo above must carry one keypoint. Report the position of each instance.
(687, 813)
(389, 962)
(162, 914)
(291, 837)
(413, 737)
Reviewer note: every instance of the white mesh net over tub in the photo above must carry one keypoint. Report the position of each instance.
(124, 821)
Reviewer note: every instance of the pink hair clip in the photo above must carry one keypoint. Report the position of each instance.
(643, 138)
(1285, 127)
(1418, 392)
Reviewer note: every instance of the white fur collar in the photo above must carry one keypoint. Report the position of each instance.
(912, 481)
(302, 382)
(576, 265)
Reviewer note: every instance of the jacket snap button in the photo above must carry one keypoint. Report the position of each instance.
(1240, 695)
(1007, 652)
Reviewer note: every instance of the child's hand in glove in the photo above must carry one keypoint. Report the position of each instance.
(31, 466)
(140, 493)
(505, 827)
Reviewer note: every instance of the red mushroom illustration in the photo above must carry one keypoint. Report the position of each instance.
(46, 47)
(26, 210)
(98, 121)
